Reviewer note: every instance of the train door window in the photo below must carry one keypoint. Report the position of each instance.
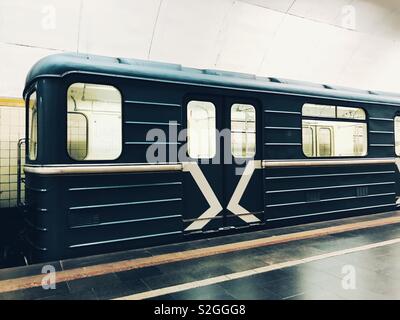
(201, 125)
(397, 134)
(243, 130)
(341, 136)
(33, 127)
(94, 130)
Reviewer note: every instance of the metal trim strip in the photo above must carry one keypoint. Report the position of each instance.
(96, 169)
(323, 163)
(132, 168)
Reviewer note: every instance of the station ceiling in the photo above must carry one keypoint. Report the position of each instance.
(346, 42)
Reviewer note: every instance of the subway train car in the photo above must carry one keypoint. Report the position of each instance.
(124, 153)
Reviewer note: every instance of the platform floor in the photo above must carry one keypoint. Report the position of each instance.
(361, 263)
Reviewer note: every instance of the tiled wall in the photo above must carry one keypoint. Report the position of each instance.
(12, 128)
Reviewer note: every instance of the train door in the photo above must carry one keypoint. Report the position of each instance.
(243, 176)
(222, 178)
(203, 176)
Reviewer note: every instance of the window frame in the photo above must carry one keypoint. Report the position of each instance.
(87, 81)
(244, 132)
(336, 119)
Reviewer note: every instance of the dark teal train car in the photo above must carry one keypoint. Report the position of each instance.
(126, 153)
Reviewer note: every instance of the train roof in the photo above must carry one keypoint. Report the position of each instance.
(59, 65)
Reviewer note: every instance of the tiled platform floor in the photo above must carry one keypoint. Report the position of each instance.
(377, 270)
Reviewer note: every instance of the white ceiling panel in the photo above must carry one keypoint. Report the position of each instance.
(369, 14)
(188, 31)
(327, 11)
(366, 66)
(310, 42)
(291, 53)
(40, 23)
(246, 35)
(16, 61)
(118, 28)
(366, 16)
(389, 27)
(279, 5)
(330, 54)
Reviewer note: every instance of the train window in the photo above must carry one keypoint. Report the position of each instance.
(334, 137)
(315, 110)
(397, 134)
(94, 122)
(33, 127)
(201, 129)
(243, 130)
(351, 113)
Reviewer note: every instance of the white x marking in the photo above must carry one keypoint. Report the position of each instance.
(215, 206)
(233, 205)
(204, 186)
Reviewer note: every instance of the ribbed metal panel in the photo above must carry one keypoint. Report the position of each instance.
(309, 191)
